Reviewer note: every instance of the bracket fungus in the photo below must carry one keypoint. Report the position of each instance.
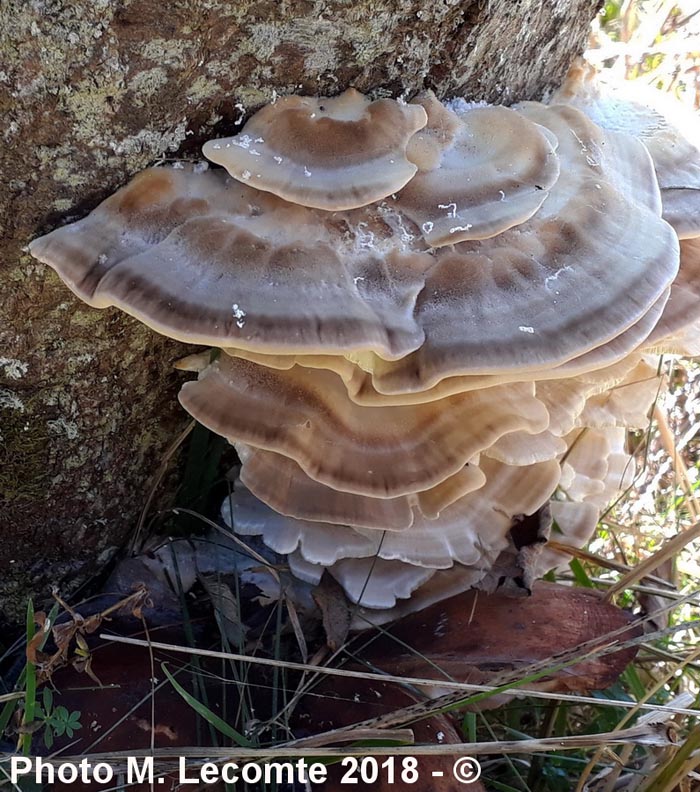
(306, 415)
(433, 320)
(670, 132)
(479, 174)
(280, 483)
(339, 153)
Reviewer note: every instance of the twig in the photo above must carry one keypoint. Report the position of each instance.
(667, 550)
(669, 443)
(418, 682)
(657, 734)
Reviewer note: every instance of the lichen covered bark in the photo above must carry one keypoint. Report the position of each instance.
(92, 91)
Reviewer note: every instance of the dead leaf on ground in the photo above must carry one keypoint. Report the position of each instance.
(73, 632)
(515, 569)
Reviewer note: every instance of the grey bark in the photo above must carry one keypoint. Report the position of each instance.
(92, 91)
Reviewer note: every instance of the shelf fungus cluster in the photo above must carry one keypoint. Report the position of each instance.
(433, 319)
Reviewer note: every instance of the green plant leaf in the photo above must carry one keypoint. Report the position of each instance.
(30, 684)
(580, 573)
(47, 698)
(469, 726)
(7, 711)
(206, 713)
(634, 683)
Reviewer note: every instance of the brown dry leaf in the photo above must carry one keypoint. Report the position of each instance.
(29, 728)
(92, 623)
(515, 569)
(82, 660)
(331, 599)
(133, 604)
(76, 629)
(63, 634)
(479, 638)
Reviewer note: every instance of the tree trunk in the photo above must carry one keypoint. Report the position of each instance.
(92, 91)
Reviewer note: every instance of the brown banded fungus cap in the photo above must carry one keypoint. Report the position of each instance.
(567, 398)
(627, 403)
(669, 131)
(479, 174)
(280, 482)
(435, 546)
(206, 260)
(683, 307)
(359, 381)
(253, 280)
(360, 378)
(339, 153)
(556, 286)
(306, 415)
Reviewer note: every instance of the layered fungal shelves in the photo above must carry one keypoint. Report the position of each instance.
(432, 318)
